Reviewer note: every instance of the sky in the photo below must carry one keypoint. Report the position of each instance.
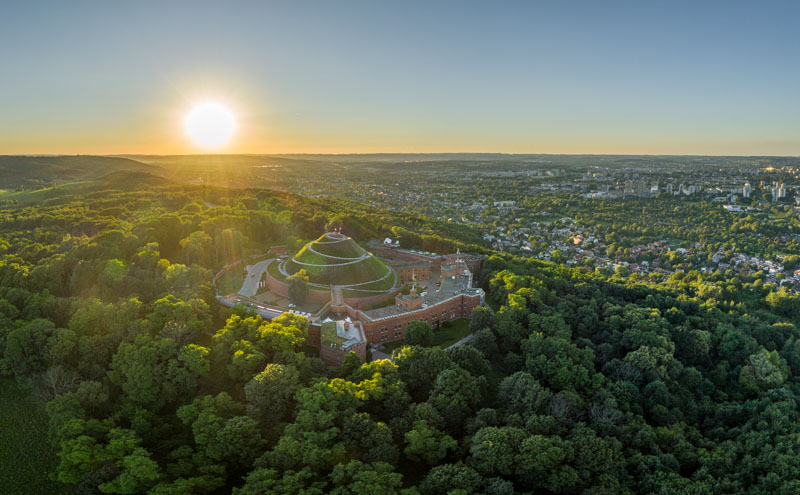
(700, 77)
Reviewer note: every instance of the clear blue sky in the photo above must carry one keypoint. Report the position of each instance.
(404, 76)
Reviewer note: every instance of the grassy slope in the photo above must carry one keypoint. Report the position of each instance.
(123, 181)
(19, 170)
(26, 456)
(370, 269)
(231, 281)
(344, 249)
(275, 272)
(451, 332)
(44, 193)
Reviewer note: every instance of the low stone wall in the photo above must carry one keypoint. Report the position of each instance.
(323, 296)
(402, 256)
(223, 270)
(362, 302)
(276, 286)
(282, 289)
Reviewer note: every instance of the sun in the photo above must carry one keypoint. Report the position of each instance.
(210, 125)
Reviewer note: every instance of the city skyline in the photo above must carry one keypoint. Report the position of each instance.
(359, 77)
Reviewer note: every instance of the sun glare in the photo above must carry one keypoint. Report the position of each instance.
(210, 125)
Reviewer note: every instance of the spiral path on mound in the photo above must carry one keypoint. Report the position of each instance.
(310, 247)
(335, 259)
(389, 272)
(335, 241)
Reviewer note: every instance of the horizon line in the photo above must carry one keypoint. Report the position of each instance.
(401, 153)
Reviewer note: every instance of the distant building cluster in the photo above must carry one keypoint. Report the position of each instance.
(778, 191)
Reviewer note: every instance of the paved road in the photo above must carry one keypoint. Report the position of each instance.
(462, 341)
(254, 273)
(338, 296)
(376, 355)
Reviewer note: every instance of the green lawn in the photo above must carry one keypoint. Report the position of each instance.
(451, 332)
(26, 456)
(382, 285)
(446, 335)
(231, 281)
(329, 336)
(44, 193)
(275, 272)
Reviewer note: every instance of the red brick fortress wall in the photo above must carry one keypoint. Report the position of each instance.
(394, 327)
(334, 356)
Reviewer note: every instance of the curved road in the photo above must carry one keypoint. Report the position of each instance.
(254, 273)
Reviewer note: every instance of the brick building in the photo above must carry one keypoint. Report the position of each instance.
(407, 272)
(341, 326)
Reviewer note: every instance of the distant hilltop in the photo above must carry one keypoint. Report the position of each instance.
(32, 171)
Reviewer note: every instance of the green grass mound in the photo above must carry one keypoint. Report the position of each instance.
(275, 271)
(368, 270)
(335, 245)
(325, 266)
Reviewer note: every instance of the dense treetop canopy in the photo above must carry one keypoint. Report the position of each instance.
(576, 382)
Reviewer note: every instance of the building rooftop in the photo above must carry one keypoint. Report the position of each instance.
(341, 334)
(449, 288)
(416, 264)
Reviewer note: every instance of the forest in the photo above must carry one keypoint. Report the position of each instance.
(576, 381)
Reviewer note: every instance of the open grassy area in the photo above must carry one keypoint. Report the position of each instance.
(451, 332)
(370, 269)
(382, 285)
(44, 193)
(446, 335)
(329, 336)
(275, 272)
(231, 281)
(26, 456)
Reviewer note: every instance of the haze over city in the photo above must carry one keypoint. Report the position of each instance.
(357, 77)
